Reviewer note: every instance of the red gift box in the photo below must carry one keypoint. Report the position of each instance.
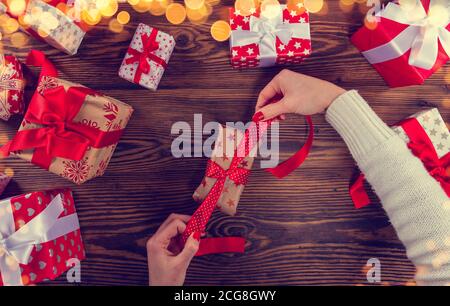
(39, 237)
(258, 41)
(408, 44)
(11, 86)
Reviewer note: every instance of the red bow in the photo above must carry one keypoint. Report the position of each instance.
(55, 110)
(237, 174)
(422, 147)
(149, 46)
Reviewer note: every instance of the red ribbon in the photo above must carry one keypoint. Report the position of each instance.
(422, 147)
(149, 46)
(56, 109)
(239, 175)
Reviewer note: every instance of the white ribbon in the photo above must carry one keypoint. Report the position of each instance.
(16, 246)
(264, 31)
(422, 36)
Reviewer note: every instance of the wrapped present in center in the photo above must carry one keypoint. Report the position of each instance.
(409, 42)
(46, 21)
(280, 36)
(11, 86)
(221, 158)
(68, 129)
(39, 237)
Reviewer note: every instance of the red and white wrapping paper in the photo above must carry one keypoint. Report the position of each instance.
(409, 43)
(147, 57)
(39, 233)
(260, 41)
(11, 86)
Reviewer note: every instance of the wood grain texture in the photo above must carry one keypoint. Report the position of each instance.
(302, 230)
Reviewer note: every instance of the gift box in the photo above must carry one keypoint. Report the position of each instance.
(428, 138)
(68, 129)
(259, 40)
(409, 42)
(11, 86)
(39, 237)
(147, 57)
(221, 158)
(45, 21)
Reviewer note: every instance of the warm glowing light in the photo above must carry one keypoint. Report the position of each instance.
(270, 8)
(296, 5)
(194, 4)
(176, 13)
(313, 6)
(123, 17)
(245, 7)
(115, 26)
(16, 7)
(19, 39)
(109, 9)
(220, 30)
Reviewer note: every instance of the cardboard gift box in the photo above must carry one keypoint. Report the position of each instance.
(11, 87)
(260, 41)
(224, 148)
(68, 129)
(408, 43)
(147, 57)
(39, 237)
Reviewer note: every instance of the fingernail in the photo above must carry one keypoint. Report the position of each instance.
(197, 235)
(258, 117)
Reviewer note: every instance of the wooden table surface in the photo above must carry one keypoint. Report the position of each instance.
(302, 230)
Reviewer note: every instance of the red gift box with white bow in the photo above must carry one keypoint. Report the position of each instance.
(270, 37)
(410, 41)
(39, 237)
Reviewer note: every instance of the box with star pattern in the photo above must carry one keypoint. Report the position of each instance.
(270, 37)
(435, 127)
(224, 148)
(50, 24)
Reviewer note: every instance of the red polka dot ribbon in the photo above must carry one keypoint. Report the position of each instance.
(239, 176)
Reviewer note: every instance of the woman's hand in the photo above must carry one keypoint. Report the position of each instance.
(291, 92)
(168, 261)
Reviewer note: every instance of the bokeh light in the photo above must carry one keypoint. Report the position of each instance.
(313, 6)
(176, 13)
(220, 30)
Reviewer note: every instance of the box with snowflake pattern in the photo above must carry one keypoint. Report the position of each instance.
(147, 57)
(12, 86)
(269, 37)
(70, 130)
(224, 148)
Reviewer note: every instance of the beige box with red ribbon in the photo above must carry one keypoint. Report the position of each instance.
(68, 129)
(147, 57)
(222, 155)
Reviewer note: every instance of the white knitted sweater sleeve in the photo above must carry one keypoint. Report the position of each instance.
(415, 203)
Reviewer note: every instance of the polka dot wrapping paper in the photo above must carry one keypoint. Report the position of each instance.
(48, 259)
(11, 87)
(222, 154)
(147, 57)
(257, 41)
